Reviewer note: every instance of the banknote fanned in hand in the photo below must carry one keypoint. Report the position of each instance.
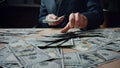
(52, 20)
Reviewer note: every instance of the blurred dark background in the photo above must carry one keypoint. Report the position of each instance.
(111, 10)
(19, 13)
(24, 13)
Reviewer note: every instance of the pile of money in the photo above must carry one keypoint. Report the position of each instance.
(89, 59)
(92, 48)
(7, 59)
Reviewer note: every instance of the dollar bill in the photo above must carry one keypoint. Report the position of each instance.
(27, 54)
(50, 42)
(117, 40)
(52, 20)
(8, 60)
(46, 64)
(112, 46)
(19, 32)
(52, 52)
(108, 55)
(5, 39)
(68, 43)
(73, 66)
(79, 45)
(72, 59)
(95, 41)
(91, 60)
(4, 53)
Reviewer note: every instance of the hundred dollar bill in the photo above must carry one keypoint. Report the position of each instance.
(27, 54)
(4, 53)
(50, 42)
(91, 59)
(52, 52)
(68, 43)
(117, 40)
(79, 45)
(17, 32)
(51, 20)
(53, 63)
(96, 40)
(108, 55)
(7, 59)
(45, 64)
(112, 46)
(5, 39)
(72, 59)
(74, 66)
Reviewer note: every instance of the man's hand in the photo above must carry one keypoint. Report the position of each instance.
(76, 20)
(54, 17)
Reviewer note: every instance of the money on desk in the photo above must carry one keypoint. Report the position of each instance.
(79, 45)
(50, 42)
(46, 64)
(112, 47)
(52, 52)
(108, 55)
(91, 59)
(93, 49)
(26, 53)
(72, 59)
(7, 59)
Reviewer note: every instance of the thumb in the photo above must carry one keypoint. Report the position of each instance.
(65, 29)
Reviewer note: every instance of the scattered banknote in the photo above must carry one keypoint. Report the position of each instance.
(96, 40)
(52, 52)
(44, 65)
(5, 39)
(27, 54)
(79, 45)
(108, 55)
(112, 46)
(72, 59)
(117, 40)
(91, 60)
(70, 66)
(4, 53)
(8, 60)
(68, 43)
(19, 32)
(50, 42)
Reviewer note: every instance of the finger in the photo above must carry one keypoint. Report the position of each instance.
(71, 20)
(81, 21)
(77, 20)
(65, 29)
(84, 21)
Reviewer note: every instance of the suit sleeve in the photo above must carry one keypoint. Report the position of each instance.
(42, 15)
(94, 14)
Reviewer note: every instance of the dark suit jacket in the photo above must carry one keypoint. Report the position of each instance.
(90, 8)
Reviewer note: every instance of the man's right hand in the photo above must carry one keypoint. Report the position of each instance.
(54, 17)
(76, 20)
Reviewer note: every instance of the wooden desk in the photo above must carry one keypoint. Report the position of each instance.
(114, 64)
